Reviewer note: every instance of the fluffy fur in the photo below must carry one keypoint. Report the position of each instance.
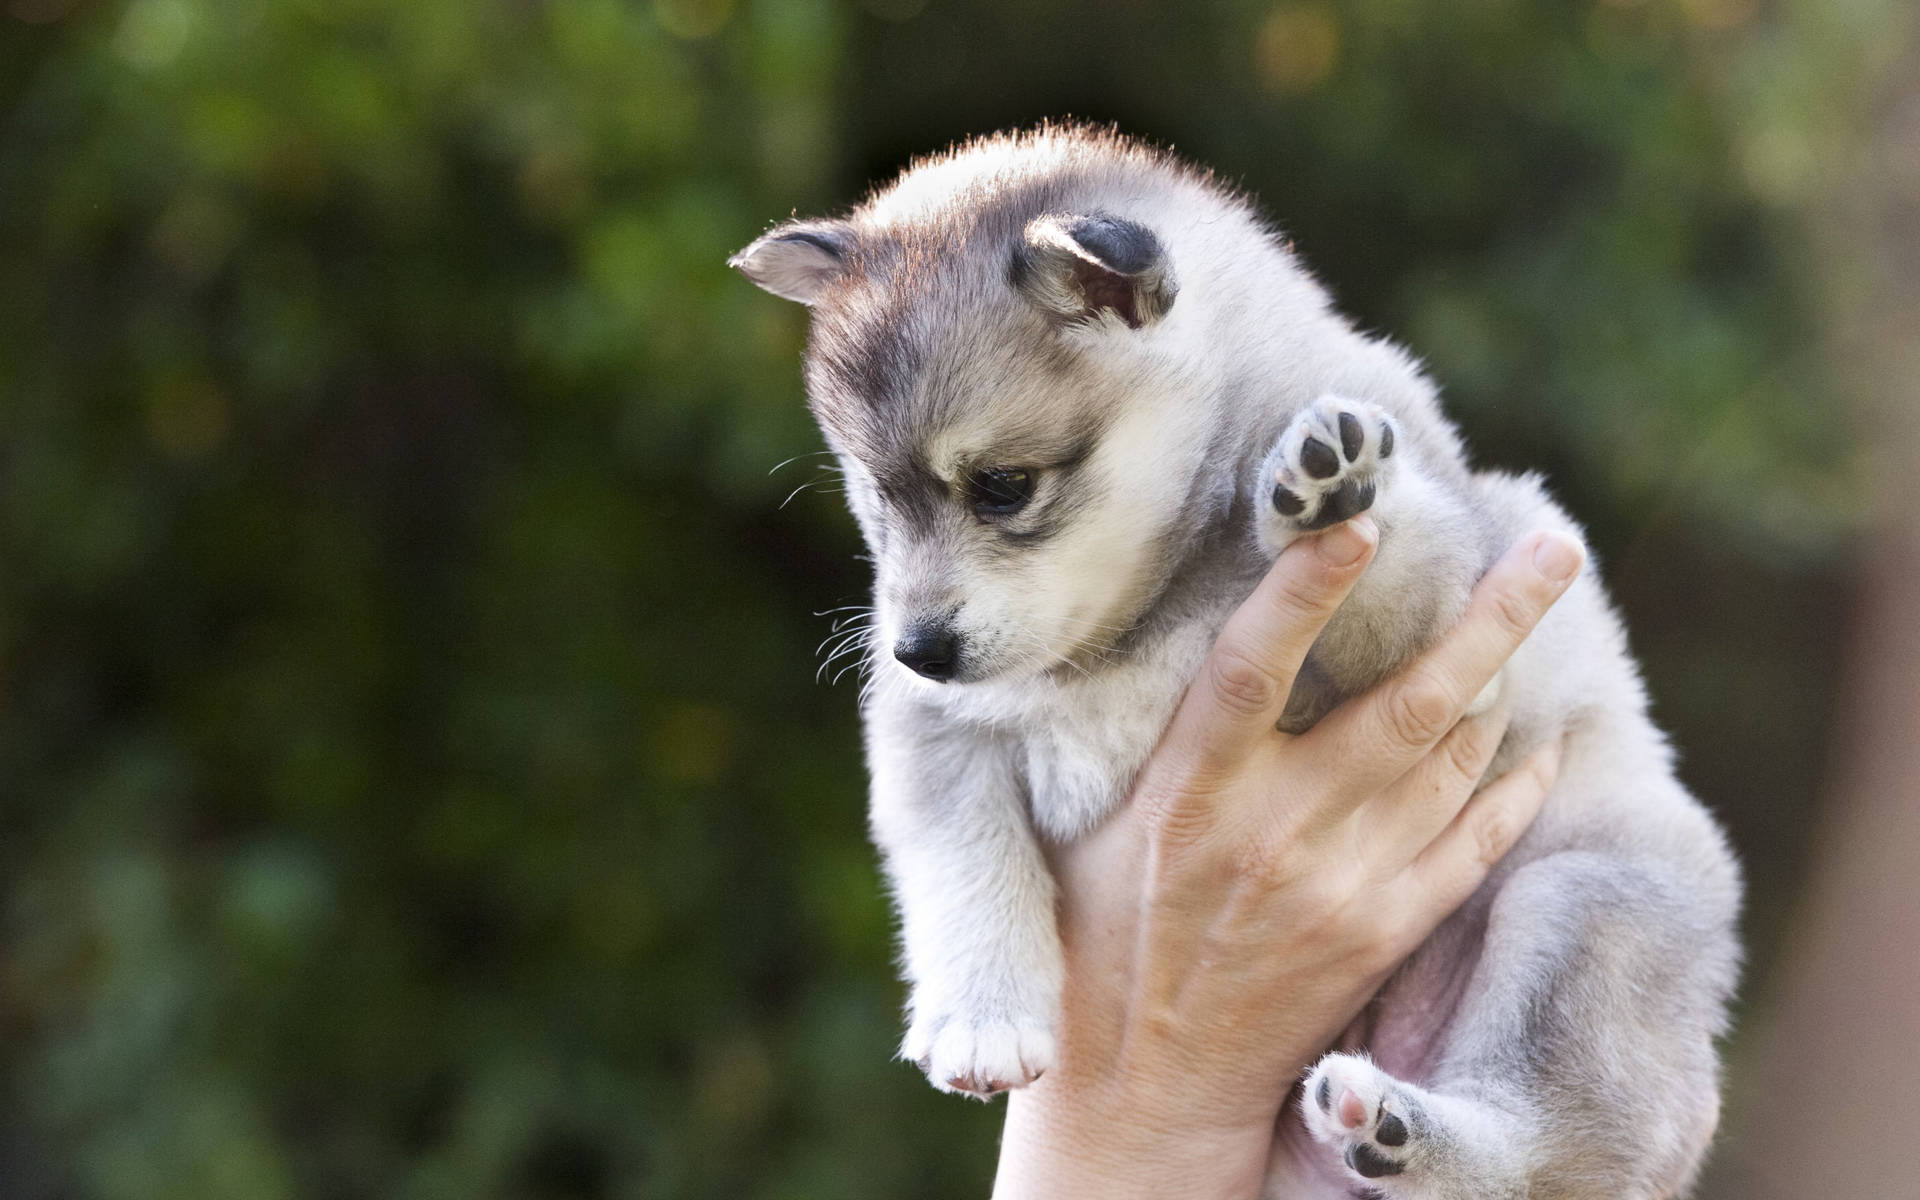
(1166, 380)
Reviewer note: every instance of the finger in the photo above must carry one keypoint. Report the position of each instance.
(1457, 861)
(1400, 821)
(1243, 685)
(1378, 737)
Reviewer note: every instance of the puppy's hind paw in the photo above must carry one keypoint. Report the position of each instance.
(1360, 1111)
(980, 1058)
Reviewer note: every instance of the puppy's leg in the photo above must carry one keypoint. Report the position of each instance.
(976, 903)
(1340, 458)
(1580, 1062)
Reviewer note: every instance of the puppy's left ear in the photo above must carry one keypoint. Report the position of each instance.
(799, 260)
(1075, 267)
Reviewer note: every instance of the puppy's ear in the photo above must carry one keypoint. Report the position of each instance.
(798, 260)
(1075, 266)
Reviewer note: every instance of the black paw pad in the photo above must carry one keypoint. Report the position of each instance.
(1288, 504)
(1392, 1131)
(1351, 436)
(1323, 1095)
(1318, 459)
(1386, 441)
(1370, 1163)
(1347, 500)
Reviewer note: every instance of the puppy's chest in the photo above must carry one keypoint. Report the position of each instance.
(1075, 776)
(1080, 751)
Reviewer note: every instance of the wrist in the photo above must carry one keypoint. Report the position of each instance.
(1064, 1140)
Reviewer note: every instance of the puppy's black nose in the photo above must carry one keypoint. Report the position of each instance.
(932, 651)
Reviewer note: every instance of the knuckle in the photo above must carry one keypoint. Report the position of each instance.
(1419, 709)
(1326, 898)
(1242, 685)
(1332, 896)
(1493, 835)
(1515, 611)
(1304, 599)
(1467, 750)
(1174, 821)
(1178, 811)
(1385, 942)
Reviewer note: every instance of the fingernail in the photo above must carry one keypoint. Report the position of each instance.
(1348, 542)
(1557, 557)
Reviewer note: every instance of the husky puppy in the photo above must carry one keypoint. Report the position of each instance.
(1083, 395)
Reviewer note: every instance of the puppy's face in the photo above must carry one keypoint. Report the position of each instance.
(1016, 449)
(1016, 532)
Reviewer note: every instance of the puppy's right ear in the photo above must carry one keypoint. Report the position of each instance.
(1077, 267)
(798, 260)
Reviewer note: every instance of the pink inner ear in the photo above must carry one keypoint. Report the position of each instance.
(1106, 289)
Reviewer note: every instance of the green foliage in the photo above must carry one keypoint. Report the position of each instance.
(414, 780)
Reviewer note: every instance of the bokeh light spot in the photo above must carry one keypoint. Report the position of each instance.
(1297, 48)
(153, 32)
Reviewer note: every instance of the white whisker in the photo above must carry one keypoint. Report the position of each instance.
(796, 458)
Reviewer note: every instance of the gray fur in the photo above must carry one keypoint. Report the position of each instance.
(1013, 304)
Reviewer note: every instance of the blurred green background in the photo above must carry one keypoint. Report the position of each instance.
(413, 779)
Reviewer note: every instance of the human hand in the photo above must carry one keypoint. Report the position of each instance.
(1258, 887)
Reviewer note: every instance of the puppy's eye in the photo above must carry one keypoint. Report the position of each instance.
(997, 491)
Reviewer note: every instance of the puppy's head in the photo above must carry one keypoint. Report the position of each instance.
(1019, 432)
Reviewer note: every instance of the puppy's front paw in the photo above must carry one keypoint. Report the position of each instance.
(1328, 465)
(979, 1057)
